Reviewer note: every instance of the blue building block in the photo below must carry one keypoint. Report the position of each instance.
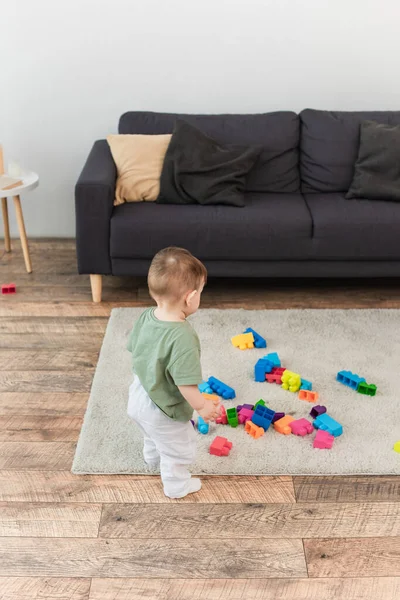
(259, 341)
(205, 388)
(202, 426)
(306, 385)
(263, 416)
(262, 367)
(220, 388)
(326, 423)
(274, 358)
(350, 379)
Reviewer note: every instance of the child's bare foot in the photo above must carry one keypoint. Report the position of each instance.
(193, 485)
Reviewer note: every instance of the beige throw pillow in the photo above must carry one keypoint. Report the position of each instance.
(139, 161)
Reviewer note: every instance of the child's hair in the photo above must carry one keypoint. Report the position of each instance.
(174, 271)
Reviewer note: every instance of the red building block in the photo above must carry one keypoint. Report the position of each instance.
(273, 378)
(222, 419)
(8, 288)
(220, 446)
(323, 440)
(301, 427)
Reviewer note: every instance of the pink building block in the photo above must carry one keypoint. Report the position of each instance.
(245, 415)
(301, 427)
(323, 440)
(273, 378)
(222, 419)
(220, 446)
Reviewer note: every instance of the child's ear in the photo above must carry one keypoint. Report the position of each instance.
(190, 297)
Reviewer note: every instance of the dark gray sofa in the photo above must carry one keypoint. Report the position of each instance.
(296, 222)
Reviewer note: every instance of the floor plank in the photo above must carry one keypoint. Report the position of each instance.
(40, 588)
(379, 588)
(43, 404)
(226, 521)
(60, 309)
(46, 381)
(39, 429)
(20, 519)
(354, 557)
(47, 360)
(53, 326)
(36, 455)
(55, 557)
(50, 486)
(51, 341)
(347, 489)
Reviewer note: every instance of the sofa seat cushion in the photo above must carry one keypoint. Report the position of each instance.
(354, 229)
(275, 226)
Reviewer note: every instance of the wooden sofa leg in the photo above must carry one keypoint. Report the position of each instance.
(96, 282)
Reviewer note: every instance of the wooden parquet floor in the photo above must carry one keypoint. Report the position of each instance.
(64, 537)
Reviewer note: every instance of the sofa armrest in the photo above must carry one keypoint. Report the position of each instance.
(94, 200)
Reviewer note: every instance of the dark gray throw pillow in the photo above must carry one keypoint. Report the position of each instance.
(377, 170)
(199, 170)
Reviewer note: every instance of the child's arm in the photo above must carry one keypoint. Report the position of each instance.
(206, 408)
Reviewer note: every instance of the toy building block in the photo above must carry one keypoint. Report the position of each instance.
(220, 446)
(323, 440)
(249, 406)
(273, 378)
(326, 423)
(258, 403)
(277, 416)
(317, 410)
(243, 341)
(274, 358)
(366, 389)
(396, 447)
(261, 368)
(283, 425)
(202, 426)
(259, 342)
(291, 381)
(301, 427)
(205, 388)
(263, 416)
(253, 430)
(232, 416)
(221, 388)
(350, 379)
(308, 396)
(306, 385)
(222, 419)
(192, 422)
(245, 415)
(213, 397)
(8, 288)
(278, 370)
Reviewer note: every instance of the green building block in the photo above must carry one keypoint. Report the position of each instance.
(259, 403)
(366, 389)
(232, 416)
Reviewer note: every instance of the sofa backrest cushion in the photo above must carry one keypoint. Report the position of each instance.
(278, 133)
(329, 143)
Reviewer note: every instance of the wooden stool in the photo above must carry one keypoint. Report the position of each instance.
(29, 182)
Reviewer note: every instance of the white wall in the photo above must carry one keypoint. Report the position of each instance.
(73, 66)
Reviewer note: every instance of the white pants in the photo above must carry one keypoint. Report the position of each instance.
(170, 442)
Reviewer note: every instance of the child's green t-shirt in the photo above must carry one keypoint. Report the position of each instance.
(166, 354)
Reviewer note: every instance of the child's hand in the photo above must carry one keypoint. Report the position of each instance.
(210, 411)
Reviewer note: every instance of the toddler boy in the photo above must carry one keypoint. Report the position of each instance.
(166, 363)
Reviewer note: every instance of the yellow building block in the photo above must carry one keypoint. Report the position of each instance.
(291, 381)
(243, 341)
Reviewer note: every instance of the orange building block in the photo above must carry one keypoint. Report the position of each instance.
(254, 430)
(213, 397)
(308, 396)
(282, 425)
(243, 341)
